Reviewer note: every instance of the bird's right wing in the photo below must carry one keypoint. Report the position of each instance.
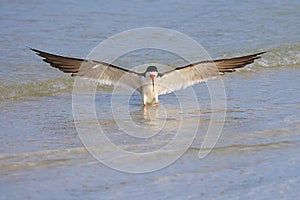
(102, 72)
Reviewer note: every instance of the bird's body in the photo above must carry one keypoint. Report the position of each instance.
(151, 83)
(148, 94)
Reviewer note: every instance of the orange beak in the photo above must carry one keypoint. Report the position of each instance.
(152, 76)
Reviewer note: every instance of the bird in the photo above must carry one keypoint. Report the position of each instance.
(151, 83)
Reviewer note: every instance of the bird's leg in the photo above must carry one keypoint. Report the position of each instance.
(145, 102)
(156, 102)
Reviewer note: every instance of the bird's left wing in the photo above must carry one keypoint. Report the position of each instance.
(102, 72)
(183, 77)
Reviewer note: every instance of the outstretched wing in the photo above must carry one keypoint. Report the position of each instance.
(183, 77)
(102, 72)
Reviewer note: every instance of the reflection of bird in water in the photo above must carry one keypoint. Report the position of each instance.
(151, 83)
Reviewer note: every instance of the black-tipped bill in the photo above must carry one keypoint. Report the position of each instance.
(152, 76)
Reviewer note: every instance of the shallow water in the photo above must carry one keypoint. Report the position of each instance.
(41, 155)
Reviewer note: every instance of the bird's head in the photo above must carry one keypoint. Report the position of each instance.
(151, 72)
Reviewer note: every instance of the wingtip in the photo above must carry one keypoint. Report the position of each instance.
(37, 52)
(260, 53)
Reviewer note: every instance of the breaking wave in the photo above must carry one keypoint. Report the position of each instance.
(282, 56)
(35, 88)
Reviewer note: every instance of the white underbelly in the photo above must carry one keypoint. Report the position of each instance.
(148, 94)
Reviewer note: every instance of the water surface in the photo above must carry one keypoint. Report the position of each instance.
(258, 152)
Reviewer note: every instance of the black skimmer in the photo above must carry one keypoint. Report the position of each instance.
(151, 83)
